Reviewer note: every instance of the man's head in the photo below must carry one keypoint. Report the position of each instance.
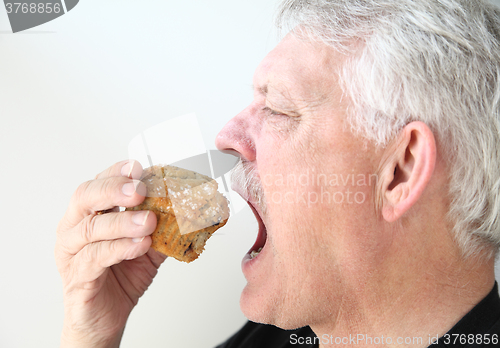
(373, 134)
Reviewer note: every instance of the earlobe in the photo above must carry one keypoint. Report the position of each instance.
(392, 212)
(408, 170)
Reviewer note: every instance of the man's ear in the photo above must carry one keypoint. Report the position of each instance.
(407, 170)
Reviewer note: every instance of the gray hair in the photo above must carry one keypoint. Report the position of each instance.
(435, 61)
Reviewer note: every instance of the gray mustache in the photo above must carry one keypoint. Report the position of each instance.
(245, 177)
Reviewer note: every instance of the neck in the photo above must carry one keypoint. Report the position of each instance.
(407, 300)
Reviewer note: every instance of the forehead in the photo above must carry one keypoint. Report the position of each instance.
(299, 69)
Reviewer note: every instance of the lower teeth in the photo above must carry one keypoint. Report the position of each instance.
(255, 253)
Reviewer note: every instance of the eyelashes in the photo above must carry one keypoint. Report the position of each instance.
(279, 121)
(272, 112)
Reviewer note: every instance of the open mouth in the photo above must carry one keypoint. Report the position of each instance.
(260, 242)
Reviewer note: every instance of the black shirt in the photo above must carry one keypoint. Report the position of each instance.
(479, 328)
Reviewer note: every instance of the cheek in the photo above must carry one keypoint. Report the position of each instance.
(281, 127)
(320, 213)
(317, 181)
(286, 162)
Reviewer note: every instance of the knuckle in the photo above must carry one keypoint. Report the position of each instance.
(88, 229)
(105, 173)
(129, 255)
(81, 195)
(112, 256)
(101, 254)
(107, 187)
(60, 250)
(82, 191)
(62, 227)
(113, 247)
(113, 224)
(93, 258)
(110, 187)
(88, 253)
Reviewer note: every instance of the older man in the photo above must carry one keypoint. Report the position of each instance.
(370, 156)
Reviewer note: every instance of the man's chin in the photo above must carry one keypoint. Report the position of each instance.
(255, 306)
(262, 309)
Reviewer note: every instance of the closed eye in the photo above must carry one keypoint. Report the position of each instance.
(272, 112)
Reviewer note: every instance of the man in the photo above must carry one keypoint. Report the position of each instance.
(370, 158)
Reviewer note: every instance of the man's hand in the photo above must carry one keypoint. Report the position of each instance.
(105, 260)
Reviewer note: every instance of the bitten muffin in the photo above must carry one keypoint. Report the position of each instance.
(188, 208)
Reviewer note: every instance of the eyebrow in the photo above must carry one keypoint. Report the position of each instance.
(262, 89)
(290, 105)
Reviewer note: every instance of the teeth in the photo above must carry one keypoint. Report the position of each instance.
(255, 253)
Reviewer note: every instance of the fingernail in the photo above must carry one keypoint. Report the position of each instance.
(135, 186)
(140, 218)
(138, 240)
(127, 169)
(128, 189)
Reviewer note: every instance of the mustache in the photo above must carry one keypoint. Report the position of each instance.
(245, 177)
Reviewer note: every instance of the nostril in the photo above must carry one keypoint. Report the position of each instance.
(235, 137)
(231, 152)
(227, 142)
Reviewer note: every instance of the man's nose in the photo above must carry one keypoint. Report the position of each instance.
(235, 139)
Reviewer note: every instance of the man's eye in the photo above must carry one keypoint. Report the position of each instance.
(272, 112)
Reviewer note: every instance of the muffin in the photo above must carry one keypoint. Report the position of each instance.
(188, 208)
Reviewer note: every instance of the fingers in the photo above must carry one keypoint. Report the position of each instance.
(116, 186)
(81, 228)
(128, 168)
(112, 226)
(95, 258)
(103, 194)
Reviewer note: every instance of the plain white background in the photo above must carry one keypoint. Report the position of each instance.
(73, 93)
